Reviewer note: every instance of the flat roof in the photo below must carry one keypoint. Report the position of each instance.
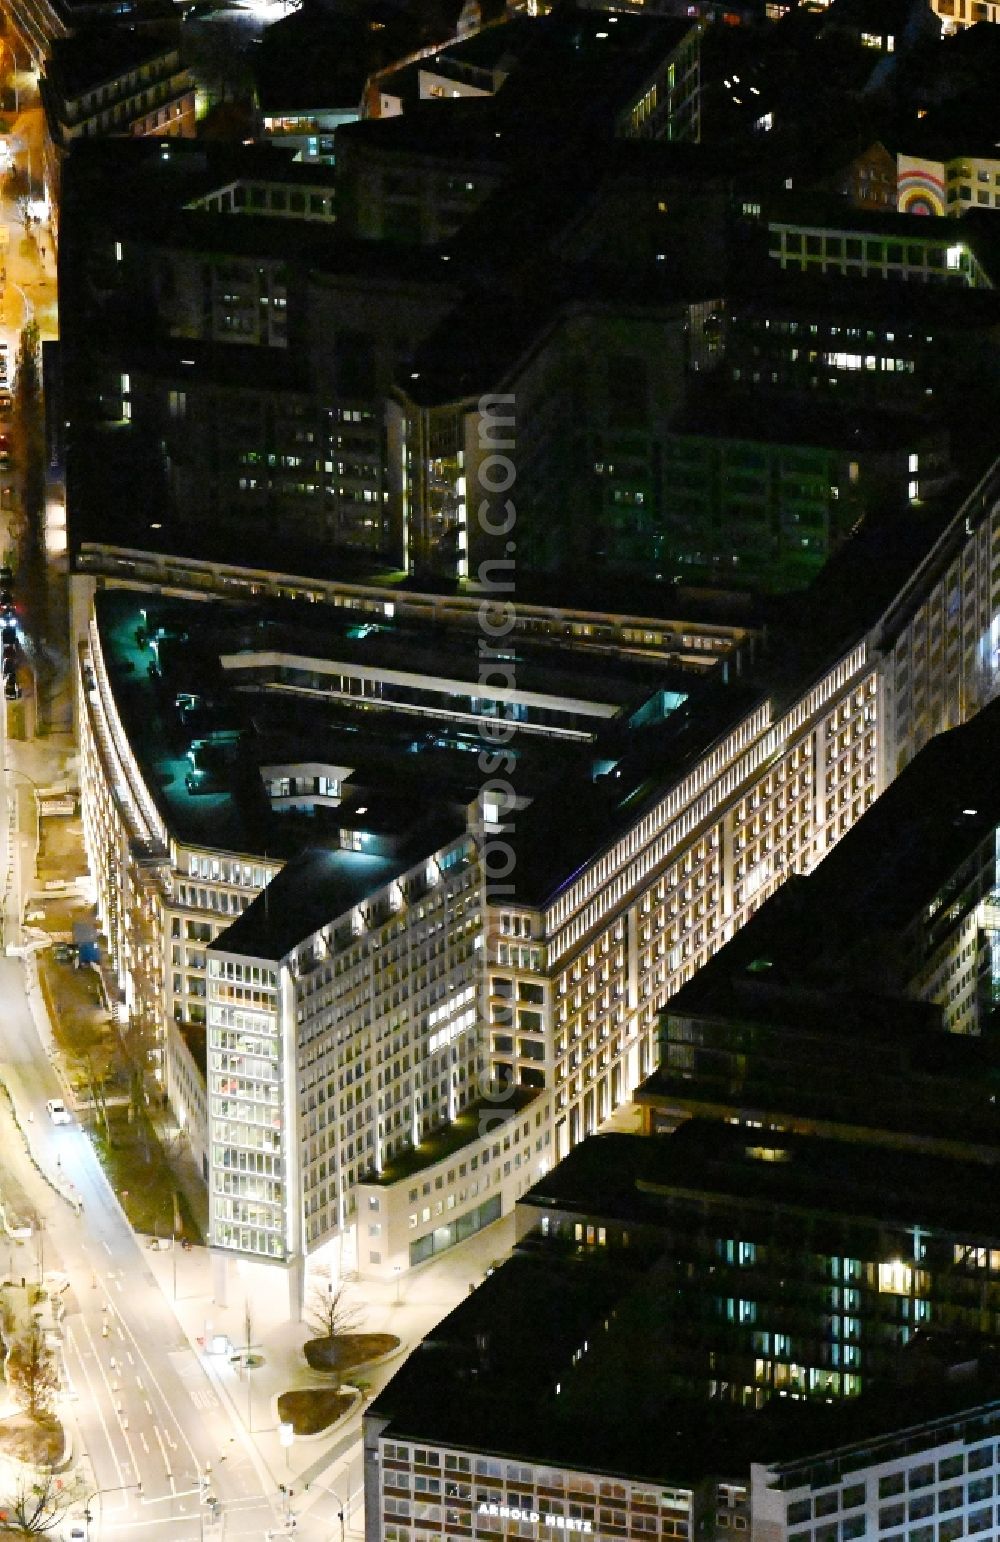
(317, 884)
(931, 819)
(481, 1119)
(596, 737)
(761, 1174)
(102, 54)
(541, 1363)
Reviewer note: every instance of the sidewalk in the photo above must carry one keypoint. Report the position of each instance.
(74, 1024)
(331, 1460)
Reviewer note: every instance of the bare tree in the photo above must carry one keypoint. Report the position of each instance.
(32, 1373)
(330, 1314)
(17, 188)
(95, 1081)
(36, 1506)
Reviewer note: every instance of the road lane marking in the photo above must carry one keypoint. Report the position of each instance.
(166, 1459)
(155, 1385)
(95, 1403)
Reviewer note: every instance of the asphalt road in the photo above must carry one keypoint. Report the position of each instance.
(138, 1397)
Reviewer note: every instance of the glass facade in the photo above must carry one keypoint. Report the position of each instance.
(246, 1109)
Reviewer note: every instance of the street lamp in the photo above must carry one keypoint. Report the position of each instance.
(341, 1507)
(98, 1493)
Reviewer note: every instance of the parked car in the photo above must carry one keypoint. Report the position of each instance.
(11, 689)
(58, 1112)
(6, 576)
(65, 952)
(6, 403)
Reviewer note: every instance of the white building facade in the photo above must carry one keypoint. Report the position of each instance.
(389, 1020)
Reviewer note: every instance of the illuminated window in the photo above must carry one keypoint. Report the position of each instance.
(895, 1278)
(768, 1154)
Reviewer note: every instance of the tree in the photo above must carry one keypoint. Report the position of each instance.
(36, 1507)
(329, 1313)
(32, 1373)
(17, 188)
(28, 448)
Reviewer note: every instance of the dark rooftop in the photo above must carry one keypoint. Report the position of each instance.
(616, 730)
(931, 819)
(97, 56)
(540, 1362)
(316, 885)
(636, 1178)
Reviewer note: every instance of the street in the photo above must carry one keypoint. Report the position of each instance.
(136, 1397)
(137, 1394)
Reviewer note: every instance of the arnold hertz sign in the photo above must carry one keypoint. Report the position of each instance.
(535, 1517)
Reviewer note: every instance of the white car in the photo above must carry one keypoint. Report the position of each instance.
(58, 1112)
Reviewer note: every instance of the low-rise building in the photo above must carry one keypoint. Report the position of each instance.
(953, 184)
(900, 1477)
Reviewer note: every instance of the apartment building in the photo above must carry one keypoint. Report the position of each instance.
(954, 185)
(106, 81)
(103, 81)
(614, 903)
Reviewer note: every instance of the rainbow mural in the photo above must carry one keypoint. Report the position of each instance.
(920, 186)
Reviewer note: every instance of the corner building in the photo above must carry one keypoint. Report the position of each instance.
(655, 812)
